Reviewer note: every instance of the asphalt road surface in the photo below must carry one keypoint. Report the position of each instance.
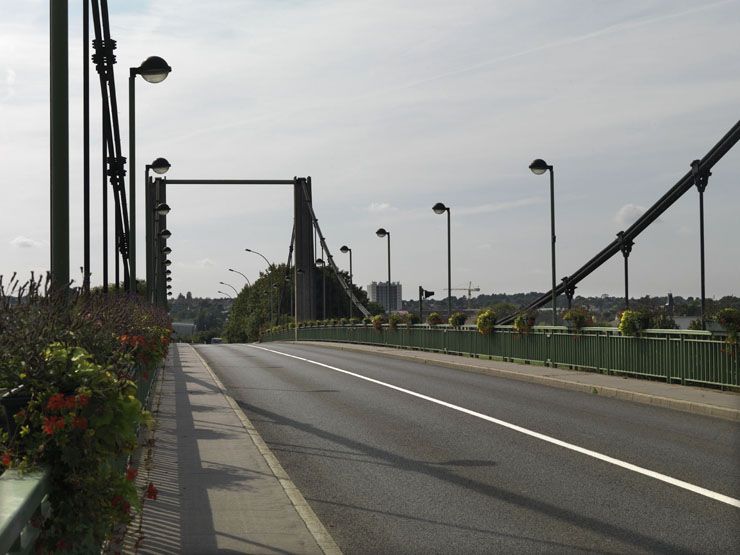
(426, 459)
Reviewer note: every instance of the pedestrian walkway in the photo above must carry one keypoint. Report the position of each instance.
(219, 489)
(697, 400)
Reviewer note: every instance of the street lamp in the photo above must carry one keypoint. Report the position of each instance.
(383, 233)
(238, 272)
(270, 265)
(225, 294)
(154, 70)
(440, 208)
(538, 167)
(345, 249)
(166, 250)
(229, 285)
(320, 262)
(165, 234)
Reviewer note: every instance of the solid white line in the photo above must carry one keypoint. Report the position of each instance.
(622, 464)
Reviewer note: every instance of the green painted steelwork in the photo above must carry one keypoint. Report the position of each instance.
(674, 356)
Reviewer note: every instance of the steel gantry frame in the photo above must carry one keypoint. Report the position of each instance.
(696, 177)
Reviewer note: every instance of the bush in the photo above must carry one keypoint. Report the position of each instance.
(457, 319)
(632, 322)
(524, 322)
(76, 358)
(394, 319)
(377, 321)
(434, 319)
(412, 318)
(579, 317)
(729, 318)
(486, 321)
(366, 321)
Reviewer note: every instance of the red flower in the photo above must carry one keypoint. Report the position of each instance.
(82, 400)
(52, 423)
(69, 402)
(131, 474)
(55, 402)
(6, 459)
(119, 502)
(151, 491)
(79, 423)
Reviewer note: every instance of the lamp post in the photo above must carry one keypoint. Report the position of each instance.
(345, 249)
(229, 285)
(270, 265)
(320, 262)
(238, 272)
(440, 208)
(162, 262)
(154, 70)
(538, 167)
(59, 144)
(225, 294)
(383, 233)
(159, 166)
(273, 317)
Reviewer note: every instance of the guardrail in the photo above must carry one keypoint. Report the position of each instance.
(23, 504)
(677, 356)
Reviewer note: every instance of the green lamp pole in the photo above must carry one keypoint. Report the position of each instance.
(154, 70)
(440, 208)
(538, 167)
(59, 128)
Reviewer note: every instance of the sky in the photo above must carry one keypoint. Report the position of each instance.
(391, 106)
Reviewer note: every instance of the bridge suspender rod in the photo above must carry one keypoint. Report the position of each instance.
(330, 258)
(653, 213)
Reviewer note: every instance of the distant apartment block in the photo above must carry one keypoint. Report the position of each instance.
(378, 293)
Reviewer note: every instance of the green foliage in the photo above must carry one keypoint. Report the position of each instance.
(486, 321)
(631, 323)
(729, 318)
(377, 321)
(457, 319)
(412, 318)
(579, 317)
(366, 321)
(251, 310)
(375, 308)
(434, 319)
(524, 322)
(75, 359)
(394, 319)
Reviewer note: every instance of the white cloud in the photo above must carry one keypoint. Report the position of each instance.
(22, 242)
(376, 207)
(628, 214)
(205, 263)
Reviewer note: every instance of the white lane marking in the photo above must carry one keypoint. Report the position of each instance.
(622, 464)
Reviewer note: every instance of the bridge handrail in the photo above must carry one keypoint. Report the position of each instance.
(21, 499)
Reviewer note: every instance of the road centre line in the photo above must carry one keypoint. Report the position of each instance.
(622, 464)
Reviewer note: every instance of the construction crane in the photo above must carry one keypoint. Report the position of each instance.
(469, 289)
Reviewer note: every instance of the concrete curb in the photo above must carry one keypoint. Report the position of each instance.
(625, 395)
(314, 525)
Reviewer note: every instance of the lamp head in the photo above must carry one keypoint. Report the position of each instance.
(169, 278)
(165, 234)
(162, 209)
(319, 262)
(168, 262)
(160, 166)
(381, 232)
(344, 249)
(166, 250)
(154, 69)
(539, 166)
(439, 208)
(168, 272)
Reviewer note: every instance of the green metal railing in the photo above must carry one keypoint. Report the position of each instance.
(677, 356)
(23, 496)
